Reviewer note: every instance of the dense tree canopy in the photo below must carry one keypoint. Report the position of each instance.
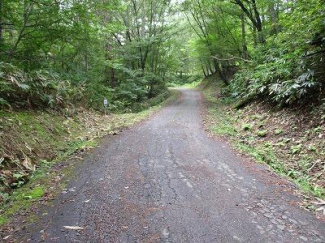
(276, 48)
(55, 53)
(54, 49)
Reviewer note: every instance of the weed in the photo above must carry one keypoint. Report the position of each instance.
(295, 165)
(247, 126)
(262, 133)
(295, 148)
(37, 192)
(64, 136)
(278, 131)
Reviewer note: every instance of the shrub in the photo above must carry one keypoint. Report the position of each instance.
(290, 67)
(35, 89)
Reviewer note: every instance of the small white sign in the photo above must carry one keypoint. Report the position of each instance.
(105, 102)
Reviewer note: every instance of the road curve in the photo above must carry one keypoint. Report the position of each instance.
(165, 180)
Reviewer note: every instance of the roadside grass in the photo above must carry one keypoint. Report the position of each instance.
(187, 85)
(191, 85)
(59, 143)
(281, 150)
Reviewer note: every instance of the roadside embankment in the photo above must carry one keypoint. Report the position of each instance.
(290, 140)
(38, 149)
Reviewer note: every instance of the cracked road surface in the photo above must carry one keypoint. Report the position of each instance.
(165, 180)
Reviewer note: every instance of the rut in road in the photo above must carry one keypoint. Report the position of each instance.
(165, 180)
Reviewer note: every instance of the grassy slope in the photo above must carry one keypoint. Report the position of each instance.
(290, 141)
(45, 140)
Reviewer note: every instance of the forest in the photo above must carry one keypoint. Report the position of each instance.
(75, 73)
(64, 52)
(60, 56)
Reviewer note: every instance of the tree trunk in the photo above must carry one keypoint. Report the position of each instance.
(220, 73)
(243, 34)
(210, 70)
(205, 75)
(259, 26)
(1, 26)
(254, 17)
(274, 18)
(254, 36)
(110, 79)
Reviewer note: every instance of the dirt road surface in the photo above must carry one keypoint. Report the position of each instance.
(165, 180)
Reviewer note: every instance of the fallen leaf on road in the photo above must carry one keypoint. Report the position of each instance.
(73, 227)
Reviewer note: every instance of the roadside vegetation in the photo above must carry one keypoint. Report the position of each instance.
(270, 50)
(41, 148)
(290, 141)
(60, 59)
(264, 68)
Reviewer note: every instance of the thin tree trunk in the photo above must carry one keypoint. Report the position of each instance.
(243, 33)
(1, 26)
(274, 18)
(110, 79)
(220, 73)
(254, 36)
(254, 17)
(259, 25)
(205, 75)
(26, 15)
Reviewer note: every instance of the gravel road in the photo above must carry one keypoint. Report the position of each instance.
(165, 180)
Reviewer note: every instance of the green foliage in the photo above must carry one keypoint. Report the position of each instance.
(78, 53)
(289, 68)
(120, 50)
(279, 79)
(295, 148)
(37, 192)
(34, 89)
(262, 133)
(278, 131)
(247, 126)
(278, 47)
(296, 159)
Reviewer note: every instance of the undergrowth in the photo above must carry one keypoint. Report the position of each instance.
(279, 138)
(53, 144)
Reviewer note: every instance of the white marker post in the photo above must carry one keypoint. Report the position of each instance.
(105, 104)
